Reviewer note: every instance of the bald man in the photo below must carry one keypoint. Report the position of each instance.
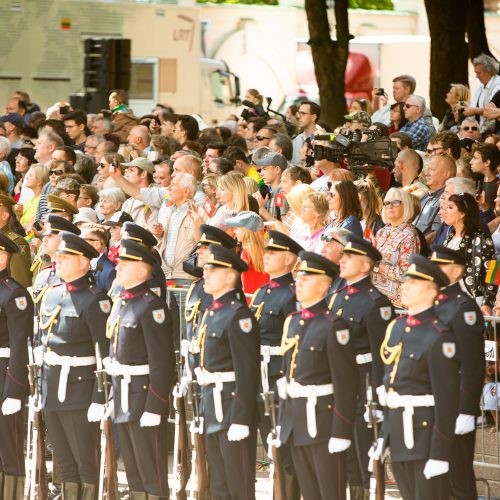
(407, 167)
(140, 137)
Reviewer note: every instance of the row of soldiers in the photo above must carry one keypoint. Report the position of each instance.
(311, 342)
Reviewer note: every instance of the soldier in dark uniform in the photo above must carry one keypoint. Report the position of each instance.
(460, 312)
(73, 319)
(306, 413)
(16, 319)
(142, 364)
(20, 263)
(229, 376)
(156, 282)
(197, 300)
(271, 304)
(422, 384)
(368, 311)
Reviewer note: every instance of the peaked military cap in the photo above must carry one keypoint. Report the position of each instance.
(7, 245)
(119, 219)
(214, 235)
(282, 242)
(445, 255)
(225, 258)
(313, 263)
(136, 252)
(71, 244)
(359, 246)
(132, 231)
(56, 224)
(422, 268)
(58, 204)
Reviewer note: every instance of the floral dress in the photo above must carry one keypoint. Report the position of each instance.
(396, 244)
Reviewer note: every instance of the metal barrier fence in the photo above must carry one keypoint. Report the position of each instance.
(487, 453)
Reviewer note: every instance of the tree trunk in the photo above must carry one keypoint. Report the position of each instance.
(329, 57)
(476, 29)
(448, 49)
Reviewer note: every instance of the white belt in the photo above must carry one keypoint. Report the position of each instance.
(408, 402)
(66, 362)
(362, 359)
(266, 351)
(218, 378)
(312, 393)
(4, 352)
(116, 369)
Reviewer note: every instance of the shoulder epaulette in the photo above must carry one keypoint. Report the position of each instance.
(149, 297)
(439, 326)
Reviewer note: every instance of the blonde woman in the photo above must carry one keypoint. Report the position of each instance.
(36, 177)
(308, 228)
(248, 229)
(457, 97)
(396, 241)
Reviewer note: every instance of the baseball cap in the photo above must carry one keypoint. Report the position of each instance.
(273, 159)
(142, 163)
(15, 118)
(359, 116)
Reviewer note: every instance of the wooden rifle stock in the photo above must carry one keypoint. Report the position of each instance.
(111, 474)
(183, 462)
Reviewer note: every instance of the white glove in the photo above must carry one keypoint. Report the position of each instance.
(379, 416)
(274, 442)
(281, 386)
(337, 445)
(194, 429)
(435, 468)
(110, 410)
(237, 432)
(382, 395)
(181, 389)
(465, 424)
(38, 355)
(11, 406)
(375, 453)
(95, 413)
(150, 419)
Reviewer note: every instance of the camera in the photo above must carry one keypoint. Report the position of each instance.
(380, 92)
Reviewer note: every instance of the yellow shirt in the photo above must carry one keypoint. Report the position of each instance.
(29, 210)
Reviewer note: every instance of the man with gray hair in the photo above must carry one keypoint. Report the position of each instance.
(177, 235)
(416, 127)
(486, 69)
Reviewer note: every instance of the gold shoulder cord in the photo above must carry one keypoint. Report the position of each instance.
(392, 354)
(190, 316)
(332, 301)
(40, 296)
(287, 344)
(259, 307)
(201, 338)
(47, 325)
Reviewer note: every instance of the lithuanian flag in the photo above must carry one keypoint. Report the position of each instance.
(493, 274)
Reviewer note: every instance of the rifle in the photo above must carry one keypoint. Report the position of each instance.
(36, 480)
(276, 470)
(377, 480)
(182, 465)
(108, 477)
(198, 457)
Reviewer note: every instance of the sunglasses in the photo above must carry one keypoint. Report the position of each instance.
(56, 172)
(393, 203)
(328, 238)
(406, 106)
(472, 129)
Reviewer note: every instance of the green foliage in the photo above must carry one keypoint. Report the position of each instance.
(371, 4)
(241, 2)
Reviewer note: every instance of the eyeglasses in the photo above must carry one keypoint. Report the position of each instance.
(472, 129)
(406, 106)
(392, 203)
(431, 151)
(56, 172)
(262, 138)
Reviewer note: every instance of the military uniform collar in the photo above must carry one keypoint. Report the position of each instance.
(450, 291)
(78, 284)
(135, 291)
(284, 279)
(420, 317)
(310, 312)
(227, 298)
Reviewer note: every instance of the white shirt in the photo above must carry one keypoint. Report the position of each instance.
(482, 97)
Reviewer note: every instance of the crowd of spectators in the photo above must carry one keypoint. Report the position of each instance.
(171, 173)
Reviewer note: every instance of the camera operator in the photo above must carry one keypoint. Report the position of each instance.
(272, 202)
(326, 159)
(359, 120)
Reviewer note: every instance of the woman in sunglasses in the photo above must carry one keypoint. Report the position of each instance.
(466, 234)
(396, 241)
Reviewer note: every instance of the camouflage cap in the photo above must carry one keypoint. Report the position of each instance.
(359, 116)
